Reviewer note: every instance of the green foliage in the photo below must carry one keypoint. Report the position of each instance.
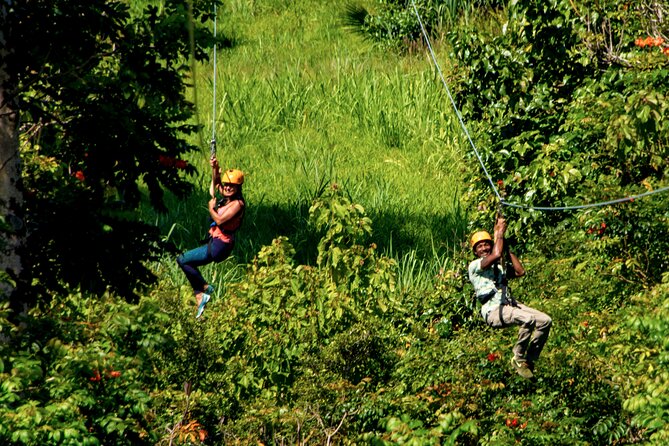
(393, 23)
(360, 353)
(647, 331)
(324, 340)
(412, 432)
(78, 376)
(568, 125)
(101, 93)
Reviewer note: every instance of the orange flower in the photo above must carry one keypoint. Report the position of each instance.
(115, 374)
(665, 50)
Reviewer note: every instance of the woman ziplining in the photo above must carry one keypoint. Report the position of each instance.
(226, 214)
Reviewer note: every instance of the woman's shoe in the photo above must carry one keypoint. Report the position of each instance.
(203, 303)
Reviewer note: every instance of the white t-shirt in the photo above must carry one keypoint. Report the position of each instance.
(484, 283)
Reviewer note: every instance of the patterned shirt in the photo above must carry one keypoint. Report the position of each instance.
(484, 281)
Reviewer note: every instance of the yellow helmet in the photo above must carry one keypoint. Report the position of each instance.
(233, 176)
(480, 236)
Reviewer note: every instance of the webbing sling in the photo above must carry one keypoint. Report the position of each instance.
(506, 300)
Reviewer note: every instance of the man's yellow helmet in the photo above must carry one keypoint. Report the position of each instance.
(233, 176)
(480, 236)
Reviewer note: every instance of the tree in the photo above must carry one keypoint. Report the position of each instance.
(104, 116)
(10, 196)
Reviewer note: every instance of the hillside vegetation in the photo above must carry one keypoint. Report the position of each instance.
(345, 315)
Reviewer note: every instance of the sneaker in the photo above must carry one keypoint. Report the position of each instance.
(520, 366)
(209, 290)
(203, 303)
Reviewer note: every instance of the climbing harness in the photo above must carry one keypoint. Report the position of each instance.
(502, 201)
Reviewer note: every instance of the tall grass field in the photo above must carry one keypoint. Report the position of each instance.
(302, 103)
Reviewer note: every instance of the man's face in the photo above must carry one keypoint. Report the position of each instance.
(483, 249)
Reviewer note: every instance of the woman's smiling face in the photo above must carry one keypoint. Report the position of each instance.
(229, 189)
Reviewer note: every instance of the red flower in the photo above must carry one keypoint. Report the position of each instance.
(180, 164)
(500, 183)
(96, 376)
(166, 161)
(115, 374)
(79, 175)
(512, 422)
(493, 357)
(603, 225)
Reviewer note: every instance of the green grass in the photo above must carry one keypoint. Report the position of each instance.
(303, 103)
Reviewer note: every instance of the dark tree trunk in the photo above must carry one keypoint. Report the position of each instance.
(11, 198)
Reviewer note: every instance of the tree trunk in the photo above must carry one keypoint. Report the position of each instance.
(11, 198)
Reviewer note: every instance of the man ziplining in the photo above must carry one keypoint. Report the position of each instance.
(489, 275)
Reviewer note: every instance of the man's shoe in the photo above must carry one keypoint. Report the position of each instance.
(520, 366)
(203, 303)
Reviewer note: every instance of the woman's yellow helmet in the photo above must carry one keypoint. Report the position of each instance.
(233, 176)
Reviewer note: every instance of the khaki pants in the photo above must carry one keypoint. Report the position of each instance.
(533, 332)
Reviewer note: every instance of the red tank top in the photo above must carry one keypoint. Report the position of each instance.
(226, 231)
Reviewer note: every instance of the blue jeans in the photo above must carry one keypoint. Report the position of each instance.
(214, 251)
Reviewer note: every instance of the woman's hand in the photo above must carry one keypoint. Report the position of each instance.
(212, 203)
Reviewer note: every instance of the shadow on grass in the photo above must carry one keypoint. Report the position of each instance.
(394, 234)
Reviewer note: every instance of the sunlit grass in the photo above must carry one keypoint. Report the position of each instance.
(303, 103)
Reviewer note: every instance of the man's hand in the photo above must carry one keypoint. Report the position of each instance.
(500, 227)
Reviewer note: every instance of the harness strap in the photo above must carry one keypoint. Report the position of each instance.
(506, 299)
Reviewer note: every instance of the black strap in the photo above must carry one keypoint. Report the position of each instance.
(501, 282)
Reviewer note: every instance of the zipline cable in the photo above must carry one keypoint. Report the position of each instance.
(455, 107)
(503, 202)
(212, 146)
